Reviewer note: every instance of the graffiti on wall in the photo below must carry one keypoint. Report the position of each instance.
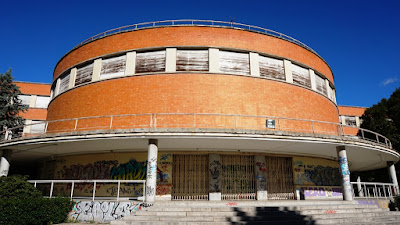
(87, 211)
(96, 170)
(215, 171)
(379, 203)
(320, 192)
(260, 176)
(132, 170)
(164, 172)
(312, 174)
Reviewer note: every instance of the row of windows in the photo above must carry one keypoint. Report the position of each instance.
(34, 101)
(354, 121)
(206, 60)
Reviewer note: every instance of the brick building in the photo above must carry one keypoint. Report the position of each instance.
(199, 111)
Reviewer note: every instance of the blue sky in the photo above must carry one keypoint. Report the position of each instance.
(360, 40)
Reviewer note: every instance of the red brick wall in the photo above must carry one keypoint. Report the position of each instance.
(193, 93)
(351, 110)
(33, 88)
(35, 114)
(194, 36)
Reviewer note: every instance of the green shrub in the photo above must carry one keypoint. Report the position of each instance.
(17, 186)
(21, 203)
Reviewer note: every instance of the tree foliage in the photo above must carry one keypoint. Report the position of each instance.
(10, 104)
(384, 118)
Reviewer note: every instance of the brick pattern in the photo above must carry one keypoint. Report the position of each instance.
(351, 110)
(193, 93)
(34, 88)
(193, 36)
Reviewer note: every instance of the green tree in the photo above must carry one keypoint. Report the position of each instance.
(10, 104)
(384, 118)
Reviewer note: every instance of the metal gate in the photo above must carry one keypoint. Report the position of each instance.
(190, 177)
(238, 178)
(279, 178)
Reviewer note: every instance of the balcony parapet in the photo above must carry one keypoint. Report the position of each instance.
(195, 123)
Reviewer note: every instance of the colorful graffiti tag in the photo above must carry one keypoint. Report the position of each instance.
(316, 174)
(321, 192)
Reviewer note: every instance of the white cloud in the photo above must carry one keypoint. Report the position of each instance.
(389, 81)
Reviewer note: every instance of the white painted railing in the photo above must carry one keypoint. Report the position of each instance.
(374, 190)
(94, 183)
(192, 22)
(227, 122)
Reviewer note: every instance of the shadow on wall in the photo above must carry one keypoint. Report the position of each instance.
(269, 215)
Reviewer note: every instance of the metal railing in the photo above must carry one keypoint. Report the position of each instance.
(93, 183)
(192, 22)
(374, 190)
(227, 122)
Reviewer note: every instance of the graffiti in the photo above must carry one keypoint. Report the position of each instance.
(330, 212)
(231, 204)
(86, 211)
(261, 166)
(380, 203)
(164, 189)
(132, 170)
(316, 174)
(321, 192)
(131, 190)
(97, 170)
(165, 157)
(215, 169)
(149, 190)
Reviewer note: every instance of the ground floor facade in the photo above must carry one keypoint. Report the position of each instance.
(189, 175)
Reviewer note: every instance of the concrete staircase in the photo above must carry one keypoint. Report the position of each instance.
(267, 212)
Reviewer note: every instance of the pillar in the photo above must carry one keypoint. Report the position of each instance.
(214, 163)
(345, 173)
(213, 60)
(151, 178)
(254, 64)
(288, 71)
(130, 63)
(393, 176)
(261, 180)
(359, 187)
(5, 162)
(170, 60)
(96, 69)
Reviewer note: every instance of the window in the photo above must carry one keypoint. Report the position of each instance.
(113, 67)
(38, 127)
(192, 60)
(233, 62)
(330, 90)
(350, 120)
(64, 83)
(25, 99)
(150, 62)
(272, 68)
(42, 102)
(84, 74)
(301, 76)
(320, 83)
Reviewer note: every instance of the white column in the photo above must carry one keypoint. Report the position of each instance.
(214, 165)
(254, 64)
(261, 177)
(32, 101)
(130, 63)
(151, 178)
(170, 60)
(345, 173)
(327, 88)
(27, 129)
(96, 70)
(5, 162)
(72, 78)
(213, 60)
(57, 90)
(312, 79)
(393, 176)
(358, 124)
(359, 187)
(288, 71)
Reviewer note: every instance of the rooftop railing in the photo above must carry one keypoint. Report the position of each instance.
(191, 22)
(196, 122)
